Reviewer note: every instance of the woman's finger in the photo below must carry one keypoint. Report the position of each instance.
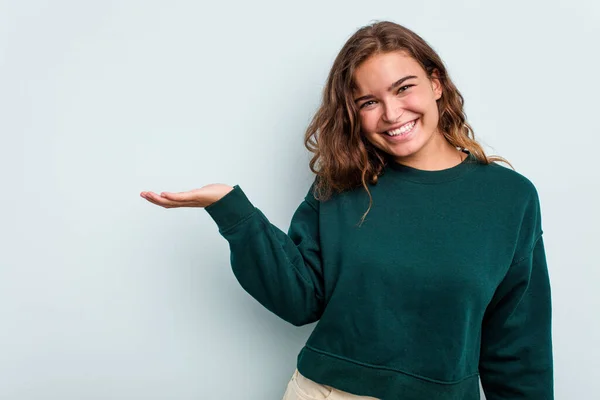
(181, 197)
(151, 199)
(160, 201)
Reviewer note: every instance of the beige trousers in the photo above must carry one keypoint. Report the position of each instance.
(302, 388)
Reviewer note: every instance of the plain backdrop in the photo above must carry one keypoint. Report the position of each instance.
(106, 296)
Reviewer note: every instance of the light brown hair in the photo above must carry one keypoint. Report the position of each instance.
(343, 158)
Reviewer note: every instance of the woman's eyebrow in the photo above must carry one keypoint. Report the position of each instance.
(394, 85)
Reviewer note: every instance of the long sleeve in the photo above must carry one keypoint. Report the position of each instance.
(516, 350)
(283, 272)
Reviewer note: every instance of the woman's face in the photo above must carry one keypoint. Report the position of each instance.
(393, 92)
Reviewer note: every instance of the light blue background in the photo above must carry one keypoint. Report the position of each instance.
(106, 296)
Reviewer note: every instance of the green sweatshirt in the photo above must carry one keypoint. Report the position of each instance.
(444, 283)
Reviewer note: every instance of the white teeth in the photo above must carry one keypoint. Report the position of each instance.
(403, 129)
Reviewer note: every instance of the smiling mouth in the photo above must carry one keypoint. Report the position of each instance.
(402, 130)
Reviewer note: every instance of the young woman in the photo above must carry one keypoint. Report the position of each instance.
(421, 257)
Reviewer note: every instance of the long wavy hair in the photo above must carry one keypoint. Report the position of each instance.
(343, 158)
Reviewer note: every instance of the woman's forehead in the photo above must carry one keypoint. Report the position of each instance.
(383, 71)
(386, 64)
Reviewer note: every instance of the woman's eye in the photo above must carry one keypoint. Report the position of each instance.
(367, 103)
(400, 90)
(404, 87)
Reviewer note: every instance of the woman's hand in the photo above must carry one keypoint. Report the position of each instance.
(202, 197)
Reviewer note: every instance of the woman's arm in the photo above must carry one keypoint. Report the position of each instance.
(283, 272)
(516, 359)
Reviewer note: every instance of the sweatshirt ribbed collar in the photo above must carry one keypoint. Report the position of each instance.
(430, 177)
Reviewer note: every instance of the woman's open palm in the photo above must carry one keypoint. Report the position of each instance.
(202, 197)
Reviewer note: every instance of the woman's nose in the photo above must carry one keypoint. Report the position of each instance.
(392, 113)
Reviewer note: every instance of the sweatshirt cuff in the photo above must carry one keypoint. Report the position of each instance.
(230, 209)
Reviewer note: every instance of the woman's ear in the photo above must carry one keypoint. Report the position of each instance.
(436, 84)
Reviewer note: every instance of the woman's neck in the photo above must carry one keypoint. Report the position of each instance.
(437, 155)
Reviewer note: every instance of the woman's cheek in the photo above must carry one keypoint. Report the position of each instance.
(369, 120)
